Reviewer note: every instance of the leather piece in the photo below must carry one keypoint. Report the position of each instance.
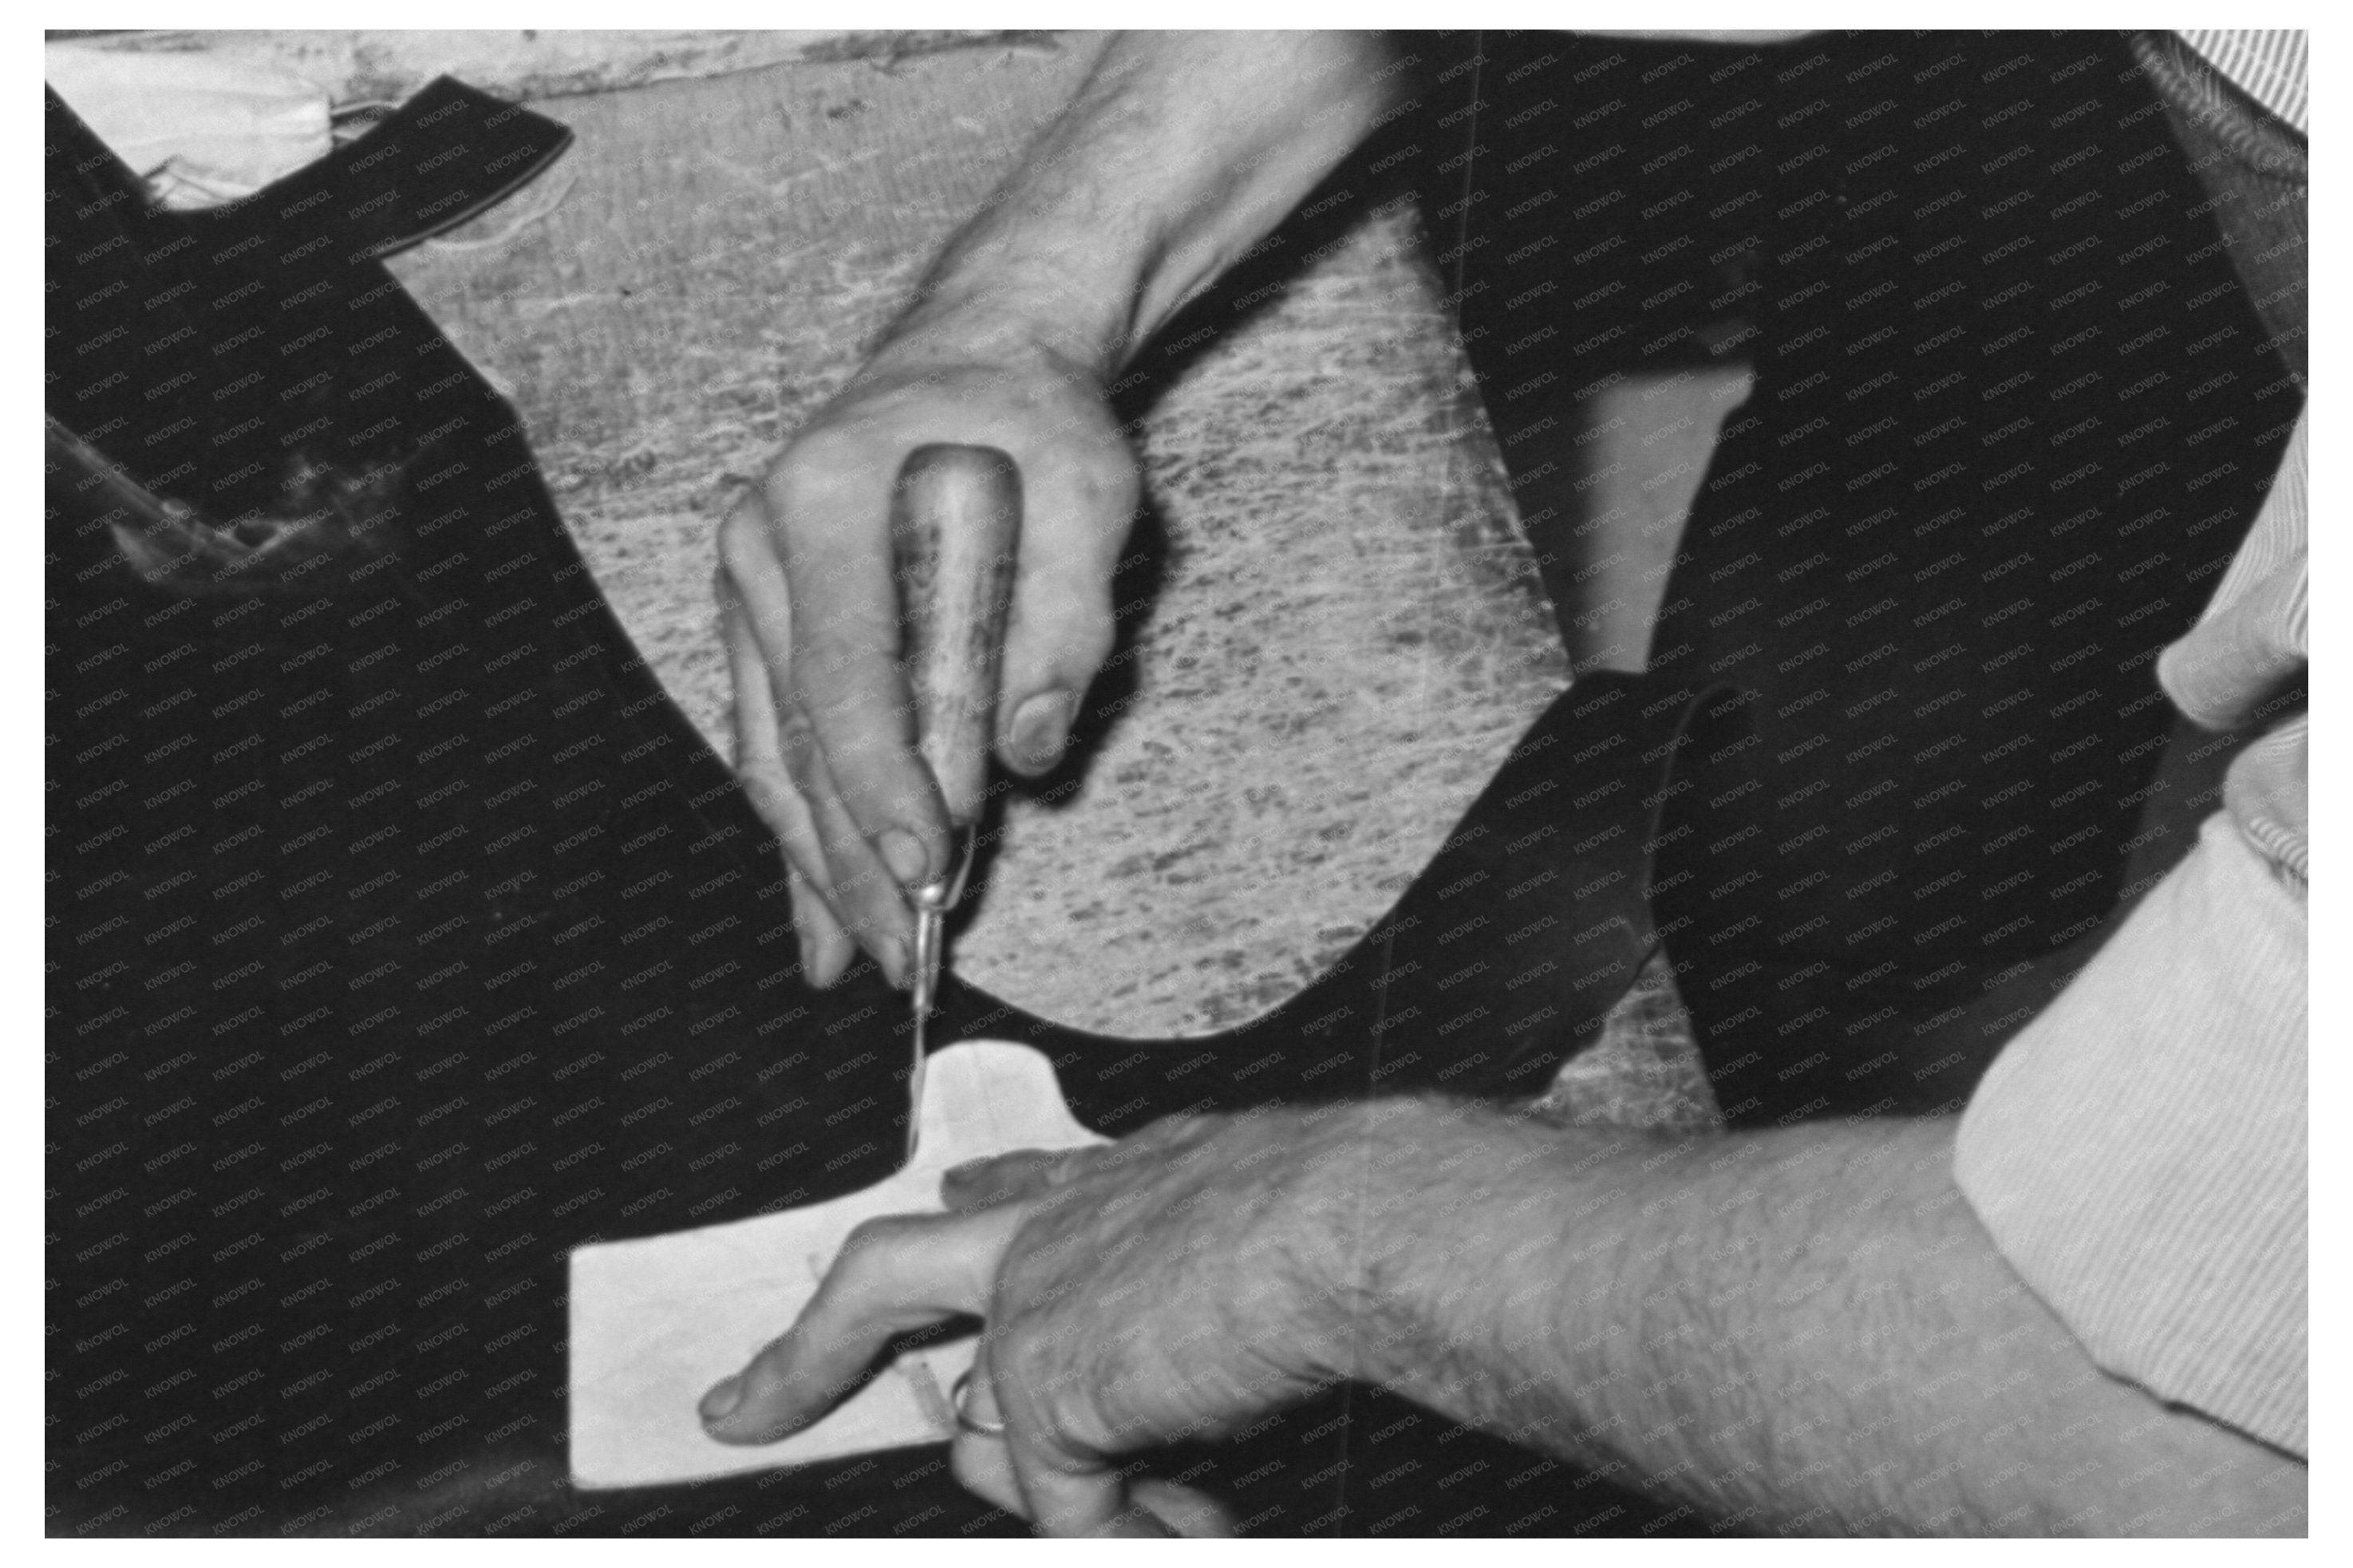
(1973, 505)
(1502, 955)
(446, 154)
(2010, 414)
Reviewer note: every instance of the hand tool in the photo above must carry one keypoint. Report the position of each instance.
(956, 526)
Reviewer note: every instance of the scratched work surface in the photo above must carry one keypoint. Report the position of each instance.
(1348, 632)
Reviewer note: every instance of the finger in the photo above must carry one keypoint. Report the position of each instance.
(1071, 1498)
(1185, 1509)
(794, 777)
(766, 757)
(828, 507)
(893, 1276)
(1179, 1130)
(759, 736)
(827, 949)
(1009, 1178)
(979, 1461)
(1033, 1174)
(1076, 519)
(859, 887)
(1066, 1493)
(982, 1467)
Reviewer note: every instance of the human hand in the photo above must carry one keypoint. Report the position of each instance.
(824, 727)
(1170, 1286)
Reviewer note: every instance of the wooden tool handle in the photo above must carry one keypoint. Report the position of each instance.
(955, 525)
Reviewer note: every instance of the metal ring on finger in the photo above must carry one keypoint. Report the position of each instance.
(959, 1393)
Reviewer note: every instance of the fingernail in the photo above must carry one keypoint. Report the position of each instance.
(892, 956)
(1042, 724)
(724, 1396)
(903, 854)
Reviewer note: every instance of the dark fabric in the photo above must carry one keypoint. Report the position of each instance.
(391, 908)
(440, 158)
(2011, 416)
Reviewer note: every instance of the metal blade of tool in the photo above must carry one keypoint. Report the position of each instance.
(956, 526)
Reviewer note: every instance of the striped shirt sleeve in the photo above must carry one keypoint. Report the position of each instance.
(2268, 65)
(2138, 1152)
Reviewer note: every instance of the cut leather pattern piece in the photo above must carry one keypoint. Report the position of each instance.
(314, 487)
(1504, 954)
(1939, 546)
(446, 154)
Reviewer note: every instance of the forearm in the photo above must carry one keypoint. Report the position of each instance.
(1806, 1329)
(1181, 151)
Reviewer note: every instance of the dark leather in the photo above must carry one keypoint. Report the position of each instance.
(1982, 719)
(1502, 955)
(395, 917)
(445, 156)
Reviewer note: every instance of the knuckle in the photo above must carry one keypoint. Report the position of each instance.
(874, 1240)
(1170, 1130)
(1035, 1273)
(790, 464)
(818, 457)
(977, 1175)
(1061, 1171)
(1015, 1359)
(740, 533)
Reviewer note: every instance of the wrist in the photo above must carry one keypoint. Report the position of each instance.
(989, 352)
(1388, 1195)
(1181, 152)
(1043, 301)
(1490, 1241)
